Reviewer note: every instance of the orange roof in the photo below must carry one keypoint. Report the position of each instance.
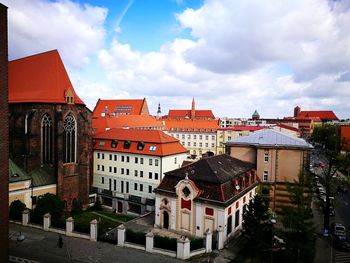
(120, 107)
(187, 125)
(162, 143)
(187, 113)
(39, 78)
(323, 115)
(126, 121)
(284, 126)
(243, 128)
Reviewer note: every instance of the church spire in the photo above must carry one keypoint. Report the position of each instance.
(159, 111)
(193, 109)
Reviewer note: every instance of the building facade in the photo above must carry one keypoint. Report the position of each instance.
(278, 158)
(4, 136)
(129, 164)
(210, 194)
(50, 126)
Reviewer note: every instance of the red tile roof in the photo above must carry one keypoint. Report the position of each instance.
(187, 113)
(284, 126)
(164, 144)
(243, 128)
(192, 125)
(126, 121)
(323, 115)
(39, 78)
(130, 106)
(345, 137)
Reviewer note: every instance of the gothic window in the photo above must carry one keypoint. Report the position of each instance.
(69, 135)
(46, 139)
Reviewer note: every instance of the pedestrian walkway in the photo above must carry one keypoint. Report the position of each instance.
(341, 257)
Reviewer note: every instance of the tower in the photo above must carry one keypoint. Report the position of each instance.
(193, 109)
(159, 112)
(255, 115)
(297, 111)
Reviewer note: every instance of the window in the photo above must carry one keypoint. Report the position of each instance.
(127, 144)
(209, 211)
(141, 187)
(103, 155)
(122, 187)
(266, 157)
(123, 158)
(69, 139)
(177, 136)
(141, 173)
(229, 138)
(189, 136)
(200, 137)
(150, 188)
(186, 192)
(206, 137)
(150, 175)
(122, 171)
(127, 187)
(175, 160)
(110, 169)
(156, 176)
(102, 180)
(127, 159)
(213, 145)
(103, 168)
(115, 170)
(265, 176)
(127, 171)
(46, 139)
(237, 218)
(114, 143)
(115, 185)
(110, 157)
(136, 159)
(183, 136)
(194, 144)
(150, 161)
(153, 148)
(135, 186)
(115, 157)
(140, 146)
(156, 162)
(98, 155)
(141, 160)
(200, 144)
(213, 137)
(188, 143)
(98, 167)
(135, 173)
(194, 136)
(206, 144)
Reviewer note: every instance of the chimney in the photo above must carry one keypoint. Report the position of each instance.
(193, 109)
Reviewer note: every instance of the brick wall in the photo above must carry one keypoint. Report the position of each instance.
(3, 136)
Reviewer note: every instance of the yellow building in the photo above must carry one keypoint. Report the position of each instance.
(278, 158)
(28, 187)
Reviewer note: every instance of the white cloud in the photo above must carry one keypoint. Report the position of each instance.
(77, 31)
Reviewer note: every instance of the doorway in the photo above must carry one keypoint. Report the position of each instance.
(165, 219)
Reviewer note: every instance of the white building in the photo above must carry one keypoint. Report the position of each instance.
(128, 164)
(211, 193)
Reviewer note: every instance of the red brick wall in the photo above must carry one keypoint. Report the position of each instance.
(3, 136)
(73, 180)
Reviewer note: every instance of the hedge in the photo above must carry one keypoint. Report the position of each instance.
(165, 243)
(135, 237)
(196, 243)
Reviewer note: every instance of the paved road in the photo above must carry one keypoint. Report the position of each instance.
(42, 246)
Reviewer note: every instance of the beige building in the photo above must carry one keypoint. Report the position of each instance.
(28, 187)
(278, 158)
(224, 135)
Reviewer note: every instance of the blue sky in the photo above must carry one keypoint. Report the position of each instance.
(232, 56)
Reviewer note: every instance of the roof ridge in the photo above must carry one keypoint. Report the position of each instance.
(33, 55)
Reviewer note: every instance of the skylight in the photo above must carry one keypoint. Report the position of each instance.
(153, 148)
(101, 143)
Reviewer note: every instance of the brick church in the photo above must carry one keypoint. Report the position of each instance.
(50, 126)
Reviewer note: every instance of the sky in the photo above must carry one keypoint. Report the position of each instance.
(232, 56)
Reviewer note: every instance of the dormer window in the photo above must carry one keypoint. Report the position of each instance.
(127, 144)
(153, 148)
(69, 96)
(114, 143)
(140, 146)
(186, 192)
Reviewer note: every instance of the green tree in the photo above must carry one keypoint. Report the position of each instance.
(16, 210)
(328, 138)
(49, 203)
(256, 224)
(298, 223)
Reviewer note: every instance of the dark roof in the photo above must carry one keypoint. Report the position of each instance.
(215, 169)
(43, 176)
(16, 174)
(213, 176)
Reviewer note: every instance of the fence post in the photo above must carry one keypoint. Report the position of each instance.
(69, 226)
(121, 235)
(149, 241)
(208, 241)
(25, 217)
(47, 221)
(221, 236)
(93, 230)
(183, 248)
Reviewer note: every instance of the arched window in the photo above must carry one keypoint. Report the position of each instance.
(69, 139)
(46, 139)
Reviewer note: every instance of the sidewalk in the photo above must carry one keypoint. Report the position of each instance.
(323, 248)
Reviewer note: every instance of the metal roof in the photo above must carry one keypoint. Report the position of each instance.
(270, 138)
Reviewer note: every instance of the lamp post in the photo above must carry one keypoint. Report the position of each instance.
(272, 221)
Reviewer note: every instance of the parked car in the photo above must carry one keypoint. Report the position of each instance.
(341, 242)
(338, 229)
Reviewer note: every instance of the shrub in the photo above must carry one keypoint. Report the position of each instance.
(165, 243)
(58, 222)
(16, 210)
(97, 206)
(76, 207)
(196, 243)
(49, 203)
(135, 237)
